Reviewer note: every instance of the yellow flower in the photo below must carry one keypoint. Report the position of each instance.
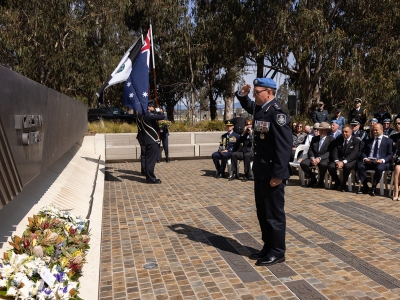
(64, 262)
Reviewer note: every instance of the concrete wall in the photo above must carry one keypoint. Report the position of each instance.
(64, 124)
(124, 146)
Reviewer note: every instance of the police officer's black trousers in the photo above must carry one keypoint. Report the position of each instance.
(164, 141)
(151, 154)
(143, 159)
(239, 155)
(271, 215)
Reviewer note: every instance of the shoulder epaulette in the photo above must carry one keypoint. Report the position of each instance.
(276, 106)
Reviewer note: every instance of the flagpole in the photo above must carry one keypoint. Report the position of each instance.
(154, 65)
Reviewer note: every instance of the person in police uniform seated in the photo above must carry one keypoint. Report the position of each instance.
(344, 154)
(318, 155)
(272, 149)
(244, 153)
(226, 147)
(151, 141)
(358, 134)
(376, 155)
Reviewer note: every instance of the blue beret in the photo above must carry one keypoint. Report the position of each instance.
(265, 82)
(334, 121)
(387, 120)
(373, 120)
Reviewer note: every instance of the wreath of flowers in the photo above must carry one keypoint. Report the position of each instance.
(55, 243)
(165, 123)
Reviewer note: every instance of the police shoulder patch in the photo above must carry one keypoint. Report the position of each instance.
(281, 119)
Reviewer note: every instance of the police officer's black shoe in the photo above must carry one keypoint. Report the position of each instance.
(158, 161)
(259, 255)
(220, 175)
(245, 178)
(232, 177)
(373, 191)
(270, 260)
(167, 160)
(153, 181)
(364, 190)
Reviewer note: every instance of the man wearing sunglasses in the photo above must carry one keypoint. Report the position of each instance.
(272, 146)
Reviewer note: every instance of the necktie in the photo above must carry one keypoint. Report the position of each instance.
(376, 148)
(345, 144)
(320, 144)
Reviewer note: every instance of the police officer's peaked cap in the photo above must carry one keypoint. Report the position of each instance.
(358, 100)
(386, 120)
(151, 103)
(355, 121)
(228, 123)
(265, 82)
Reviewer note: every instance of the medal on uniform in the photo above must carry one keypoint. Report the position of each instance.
(262, 136)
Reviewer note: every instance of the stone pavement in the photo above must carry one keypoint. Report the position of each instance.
(189, 238)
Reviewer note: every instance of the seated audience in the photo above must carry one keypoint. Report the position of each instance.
(358, 133)
(313, 133)
(335, 132)
(386, 127)
(243, 153)
(382, 114)
(307, 129)
(224, 153)
(318, 155)
(299, 137)
(376, 156)
(339, 119)
(344, 155)
(396, 173)
(371, 123)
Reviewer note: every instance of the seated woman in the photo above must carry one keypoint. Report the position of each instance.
(299, 137)
(396, 160)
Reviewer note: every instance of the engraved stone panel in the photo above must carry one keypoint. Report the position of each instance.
(303, 290)
(224, 219)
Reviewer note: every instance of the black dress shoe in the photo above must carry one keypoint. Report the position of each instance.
(335, 187)
(372, 192)
(153, 181)
(220, 175)
(270, 260)
(232, 177)
(312, 182)
(167, 160)
(158, 161)
(320, 185)
(364, 190)
(245, 178)
(259, 255)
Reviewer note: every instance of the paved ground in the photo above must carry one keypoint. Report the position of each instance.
(189, 238)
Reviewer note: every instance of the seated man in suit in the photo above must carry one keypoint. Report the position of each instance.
(318, 155)
(244, 153)
(224, 153)
(376, 155)
(345, 151)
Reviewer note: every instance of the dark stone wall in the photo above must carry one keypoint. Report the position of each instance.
(64, 124)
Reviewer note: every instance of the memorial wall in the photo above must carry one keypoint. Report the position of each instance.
(37, 126)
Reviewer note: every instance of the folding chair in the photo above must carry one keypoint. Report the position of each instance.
(296, 164)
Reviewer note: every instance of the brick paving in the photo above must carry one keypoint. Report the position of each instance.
(342, 245)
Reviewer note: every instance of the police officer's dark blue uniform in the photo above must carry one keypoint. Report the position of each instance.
(164, 133)
(152, 144)
(227, 144)
(140, 139)
(272, 150)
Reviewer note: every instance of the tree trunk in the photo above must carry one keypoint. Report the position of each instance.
(229, 98)
(170, 112)
(213, 106)
(260, 66)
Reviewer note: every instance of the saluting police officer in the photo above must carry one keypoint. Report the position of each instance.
(151, 140)
(272, 149)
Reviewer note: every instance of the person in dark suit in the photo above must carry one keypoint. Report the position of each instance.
(151, 140)
(243, 153)
(320, 114)
(376, 155)
(318, 155)
(140, 138)
(382, 114)
(345, 151)
(358, 113)
(272, 137)
(226, 147)
(164, 134)
(359, 134)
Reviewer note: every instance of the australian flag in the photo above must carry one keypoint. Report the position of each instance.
(137, 85)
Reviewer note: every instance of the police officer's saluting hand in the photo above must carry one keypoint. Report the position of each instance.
(272, 149)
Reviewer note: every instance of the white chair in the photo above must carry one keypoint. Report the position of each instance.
(238, 168)
(296, 164)
(349, 179)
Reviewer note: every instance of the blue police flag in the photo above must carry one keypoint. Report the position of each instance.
(137, 85)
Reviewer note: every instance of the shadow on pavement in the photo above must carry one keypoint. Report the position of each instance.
(201, 235)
